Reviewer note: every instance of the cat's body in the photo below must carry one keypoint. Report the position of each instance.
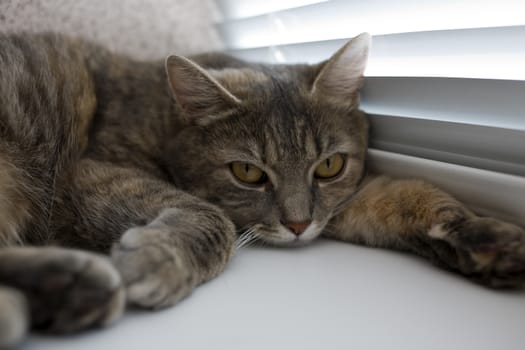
(95, 153)
(80, 102)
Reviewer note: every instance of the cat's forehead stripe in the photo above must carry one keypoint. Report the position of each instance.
(288, 138)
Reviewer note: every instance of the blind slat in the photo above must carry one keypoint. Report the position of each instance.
(487, 53)
(474, 146)
(236, 9)
(497, 103)
(346, 18)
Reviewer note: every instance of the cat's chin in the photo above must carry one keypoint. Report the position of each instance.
(295, 243)
(282, 237)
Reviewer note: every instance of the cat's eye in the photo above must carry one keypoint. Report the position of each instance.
(330, 167)
(248, 173)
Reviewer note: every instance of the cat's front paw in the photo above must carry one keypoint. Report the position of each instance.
(67, 290)
(488, 250)
(153, 268)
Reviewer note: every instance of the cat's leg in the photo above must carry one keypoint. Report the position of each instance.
(14, 317)
(416, 216)
(171, 241)
(66, 290)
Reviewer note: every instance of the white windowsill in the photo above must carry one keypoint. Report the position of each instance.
(329, 295)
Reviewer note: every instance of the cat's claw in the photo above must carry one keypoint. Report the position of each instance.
(490, 251)
(154, 272)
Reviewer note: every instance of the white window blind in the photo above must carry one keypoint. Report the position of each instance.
(444, 87)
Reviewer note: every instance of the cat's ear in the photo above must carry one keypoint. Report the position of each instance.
(200, 96)
(341, 76)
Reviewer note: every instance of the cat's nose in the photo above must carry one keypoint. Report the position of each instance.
(297, 228)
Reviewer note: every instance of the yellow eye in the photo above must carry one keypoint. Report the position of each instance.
(248, 173)
(330, 167)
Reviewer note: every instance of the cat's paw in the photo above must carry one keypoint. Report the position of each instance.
(67, 290)
(153, 269)
(488, 250)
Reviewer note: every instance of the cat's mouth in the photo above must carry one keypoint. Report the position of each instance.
(279, 236)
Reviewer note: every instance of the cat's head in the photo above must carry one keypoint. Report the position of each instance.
(280, 149)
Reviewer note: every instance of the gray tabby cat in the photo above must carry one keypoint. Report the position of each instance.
(101, 154)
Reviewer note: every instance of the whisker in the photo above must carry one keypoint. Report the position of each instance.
(244, 238)
(242, 230)
(248, 237)
(254, 238)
